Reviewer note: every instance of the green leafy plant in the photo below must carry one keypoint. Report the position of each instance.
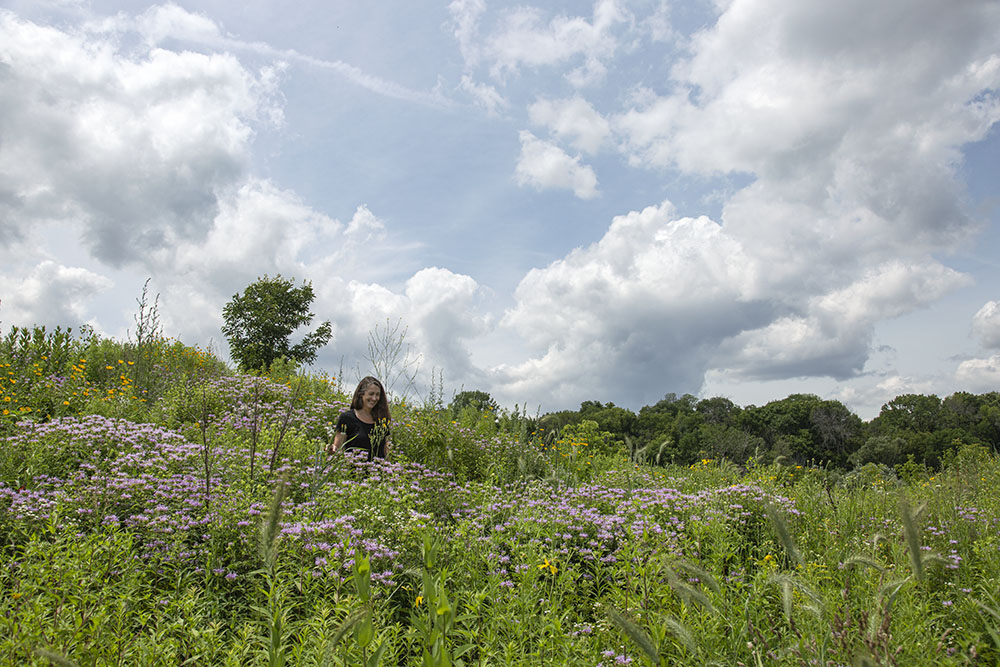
(260, 321)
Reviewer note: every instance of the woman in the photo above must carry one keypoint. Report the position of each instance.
(366, 421)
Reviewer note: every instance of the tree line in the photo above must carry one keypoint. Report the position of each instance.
(802, 428)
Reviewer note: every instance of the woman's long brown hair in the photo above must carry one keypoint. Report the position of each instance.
(381, 409)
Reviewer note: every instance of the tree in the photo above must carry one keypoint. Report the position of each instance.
(620, 422)
(837, 432)
(480, 401)
(259, 323)
(718, 410)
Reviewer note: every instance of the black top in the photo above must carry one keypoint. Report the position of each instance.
(359, 435)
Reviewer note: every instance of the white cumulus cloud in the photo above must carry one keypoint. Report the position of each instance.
(134, 146)
(528, 37)
(986, 325)
(50, 295)
(641, 309)
(544, 165)
(573, 120)
(832, 334)
(979, 375)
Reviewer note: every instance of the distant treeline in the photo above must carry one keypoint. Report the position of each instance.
(802, 428)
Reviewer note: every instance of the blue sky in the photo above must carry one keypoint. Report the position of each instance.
(560, 202)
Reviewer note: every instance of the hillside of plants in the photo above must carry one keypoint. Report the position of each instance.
(159, 508)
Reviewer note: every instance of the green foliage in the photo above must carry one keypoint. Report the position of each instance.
(883, 449)
(588, 433)
(260, 321)
(219, 531)
(479, 401)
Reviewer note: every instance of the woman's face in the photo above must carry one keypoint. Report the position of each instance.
(370, 397)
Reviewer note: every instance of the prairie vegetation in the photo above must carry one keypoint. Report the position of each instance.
(157, 508)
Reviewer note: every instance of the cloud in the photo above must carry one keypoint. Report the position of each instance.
(429, 323)
(573, 120)
(485, 96)
(163, 22)
(856, 124)
(833, 335)
(851, 145)
(444, 312)
(543, 165)
(979, 375)
(136, 146)
(524, 38)
(51, 295)
(660, 301)
(465, 26)
(659, 25)
(170, 21)
(986, 325)
(641, 309)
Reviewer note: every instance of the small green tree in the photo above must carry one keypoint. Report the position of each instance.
(479, 401)
(259, 323)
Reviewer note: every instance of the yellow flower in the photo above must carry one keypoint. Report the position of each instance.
(551, 567)
(420, 599)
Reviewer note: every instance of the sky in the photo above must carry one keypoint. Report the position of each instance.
(555, 202)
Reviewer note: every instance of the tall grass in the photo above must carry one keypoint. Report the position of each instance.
(200, 520)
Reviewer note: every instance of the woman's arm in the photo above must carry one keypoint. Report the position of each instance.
(338, 442)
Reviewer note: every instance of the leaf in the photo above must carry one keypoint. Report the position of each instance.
(462, 650)
(376, 658)
(889, 591)
(364, 631)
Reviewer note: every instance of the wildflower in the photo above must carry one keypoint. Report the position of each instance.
(551, 567)
(420, 599)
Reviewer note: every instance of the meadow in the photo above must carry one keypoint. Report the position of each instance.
(157, 508)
